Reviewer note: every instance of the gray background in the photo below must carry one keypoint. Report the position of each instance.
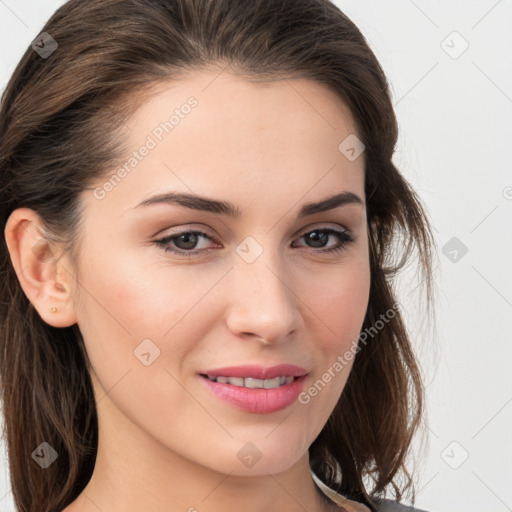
(455, 115)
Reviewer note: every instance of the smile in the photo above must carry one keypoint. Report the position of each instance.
(257, 396)
(249, 382)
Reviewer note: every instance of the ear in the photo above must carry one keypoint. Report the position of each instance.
(41, 273)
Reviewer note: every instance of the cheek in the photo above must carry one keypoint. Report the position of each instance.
(339, 306)
(144, 301)
(338, 309)
(124, 295)
(126, 302)
(341, 303)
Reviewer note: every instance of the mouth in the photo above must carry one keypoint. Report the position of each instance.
(251, 382)
(256, 389)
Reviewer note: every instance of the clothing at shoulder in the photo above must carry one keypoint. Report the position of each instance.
(393, 506)
(383, 505)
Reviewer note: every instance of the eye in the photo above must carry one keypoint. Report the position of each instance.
(185, 239)
(181, 243)
(321, 235)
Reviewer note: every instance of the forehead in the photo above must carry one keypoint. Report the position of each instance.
(218, 134)
(229, 101)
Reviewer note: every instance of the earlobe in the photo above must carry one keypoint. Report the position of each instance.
(41, 273)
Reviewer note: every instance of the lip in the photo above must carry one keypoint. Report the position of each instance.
(258, 401)
(258, 372)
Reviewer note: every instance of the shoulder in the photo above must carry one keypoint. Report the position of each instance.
(383, 505)
(393, 506)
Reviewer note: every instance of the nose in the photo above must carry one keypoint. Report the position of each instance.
(263, 304)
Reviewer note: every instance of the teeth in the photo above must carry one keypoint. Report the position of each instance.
(235, 381)
(249, 382)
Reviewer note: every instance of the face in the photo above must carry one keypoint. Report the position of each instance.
(169, 293)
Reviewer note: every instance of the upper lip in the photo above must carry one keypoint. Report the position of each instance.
(257, 372)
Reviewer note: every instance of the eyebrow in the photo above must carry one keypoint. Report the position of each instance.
(207, 204)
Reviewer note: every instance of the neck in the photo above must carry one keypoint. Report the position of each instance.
(135, 472)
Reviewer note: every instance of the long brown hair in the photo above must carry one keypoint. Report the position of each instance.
(55, 109)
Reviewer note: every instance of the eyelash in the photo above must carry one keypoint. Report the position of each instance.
(345, 237)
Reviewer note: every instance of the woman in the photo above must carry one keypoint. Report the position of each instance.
(200, 211)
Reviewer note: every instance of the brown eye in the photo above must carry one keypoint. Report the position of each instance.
(320, 237)
(183, 243)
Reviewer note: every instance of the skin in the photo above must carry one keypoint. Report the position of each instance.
(166, 443)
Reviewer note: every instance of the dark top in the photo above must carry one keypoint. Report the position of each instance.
(353, 506)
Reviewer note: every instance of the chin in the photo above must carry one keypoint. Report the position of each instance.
(260, 457)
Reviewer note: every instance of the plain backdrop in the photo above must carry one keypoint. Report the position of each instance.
(450, 69)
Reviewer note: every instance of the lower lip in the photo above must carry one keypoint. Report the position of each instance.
(260, 401)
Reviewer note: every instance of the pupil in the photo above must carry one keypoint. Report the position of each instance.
(316, 235)
(187, 237)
